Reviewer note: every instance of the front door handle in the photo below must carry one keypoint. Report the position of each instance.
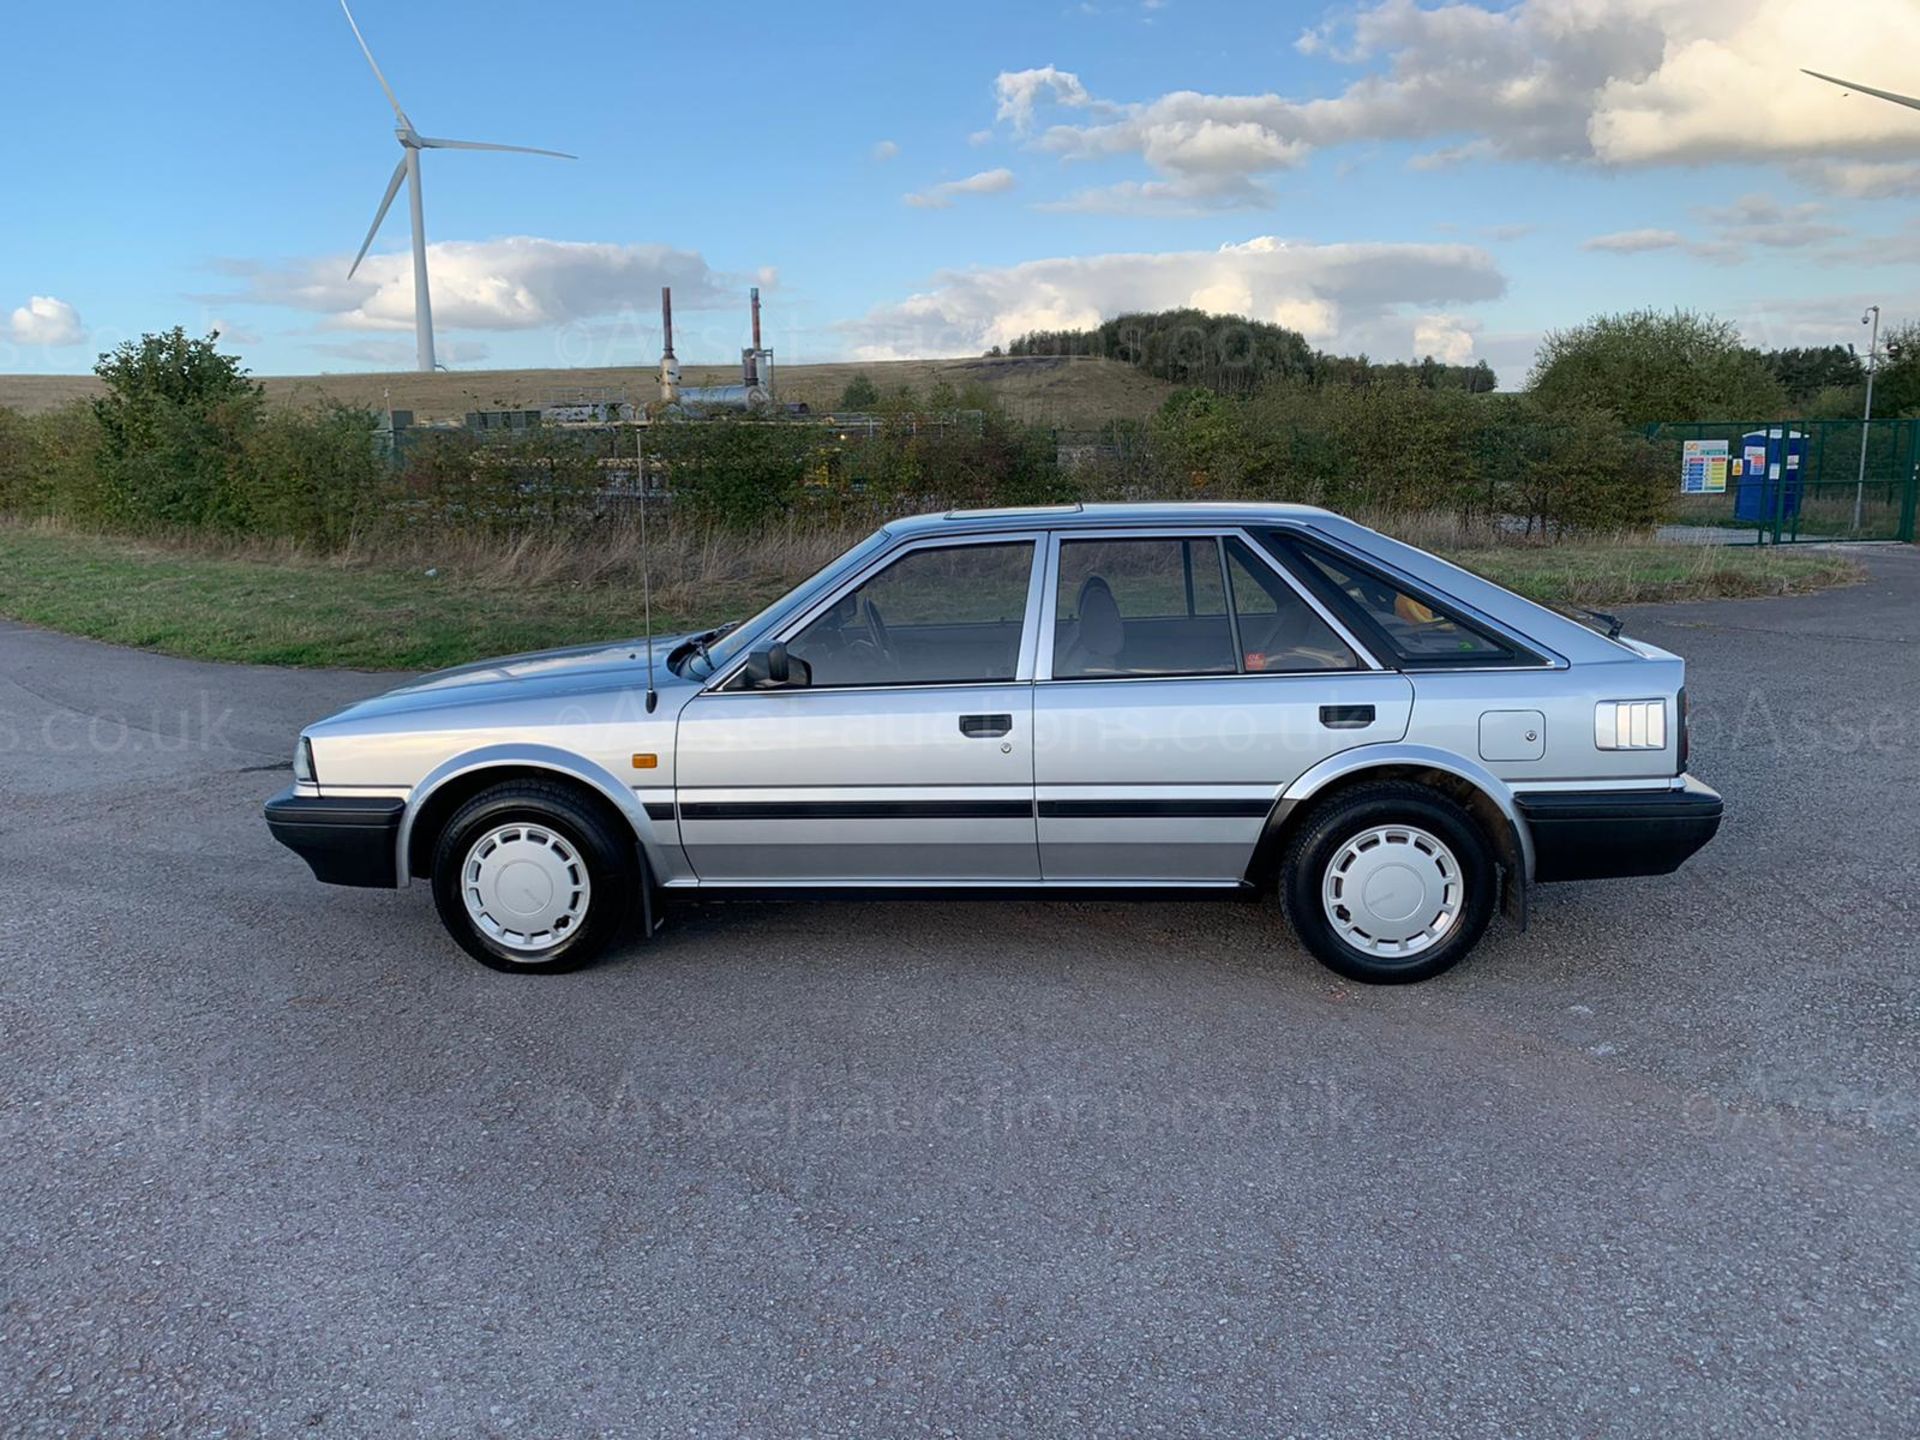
(985, 727)
(1346, 717)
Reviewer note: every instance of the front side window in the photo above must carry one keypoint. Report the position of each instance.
(1141, 607)
(944, 615)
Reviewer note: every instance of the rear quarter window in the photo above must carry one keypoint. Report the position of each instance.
(1417, 628)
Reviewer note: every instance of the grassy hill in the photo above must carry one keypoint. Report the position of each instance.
(1069, 392)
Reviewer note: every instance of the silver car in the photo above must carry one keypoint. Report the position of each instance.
(1189, 700)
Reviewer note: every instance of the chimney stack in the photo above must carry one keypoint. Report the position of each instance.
(669, 367)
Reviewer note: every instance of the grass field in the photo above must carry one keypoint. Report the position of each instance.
(286, 609)
(1049, 390)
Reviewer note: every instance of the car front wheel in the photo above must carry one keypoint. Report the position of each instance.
(1389, 883)
(529, 877)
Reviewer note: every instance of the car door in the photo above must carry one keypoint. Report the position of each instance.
(907, 757)
(1183, 680)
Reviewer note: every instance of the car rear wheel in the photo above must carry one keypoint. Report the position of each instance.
(1389, 883)
(529, 877)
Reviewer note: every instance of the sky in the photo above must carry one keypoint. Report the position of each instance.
(904, 180)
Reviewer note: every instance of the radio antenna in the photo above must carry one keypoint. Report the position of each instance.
(646, 567)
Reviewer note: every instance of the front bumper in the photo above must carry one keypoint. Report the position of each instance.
(1605, 834)
(345, 839)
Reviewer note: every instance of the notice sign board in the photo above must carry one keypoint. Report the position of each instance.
(1703, 467)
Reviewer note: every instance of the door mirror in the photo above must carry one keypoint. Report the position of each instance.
(773, 669)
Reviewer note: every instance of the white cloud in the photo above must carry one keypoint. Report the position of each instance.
(1762, 220)
(519, 283)
(1750, 220)
(939, 197)
(1185, 196)
(1636, 242)
(1861, 179)
(885, 150)
(44, 320)
(1017, 92)
(1377, 298)
(1447, 338)
(1611, 82)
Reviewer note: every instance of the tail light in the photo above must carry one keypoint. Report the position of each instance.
(1630, 725)
(1686, 733)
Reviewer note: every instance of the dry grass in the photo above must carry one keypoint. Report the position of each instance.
(1060, 391)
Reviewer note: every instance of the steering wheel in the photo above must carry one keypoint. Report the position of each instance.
(877, 630)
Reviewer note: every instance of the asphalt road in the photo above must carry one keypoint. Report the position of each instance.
(278, 1159)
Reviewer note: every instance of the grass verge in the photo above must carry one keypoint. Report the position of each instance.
(291, 609)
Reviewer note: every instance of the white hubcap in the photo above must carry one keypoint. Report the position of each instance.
(1393, 891)
(525, 887)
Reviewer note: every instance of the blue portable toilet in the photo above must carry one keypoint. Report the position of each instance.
(1771, 459)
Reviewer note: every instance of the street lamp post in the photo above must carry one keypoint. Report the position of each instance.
(1866, 420)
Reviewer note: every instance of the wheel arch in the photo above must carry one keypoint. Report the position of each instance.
(455, 781)
(1482, 793)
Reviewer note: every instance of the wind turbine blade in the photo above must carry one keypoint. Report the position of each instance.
(364, 50)
(429, 144)
(1908, 100)
(386, 203)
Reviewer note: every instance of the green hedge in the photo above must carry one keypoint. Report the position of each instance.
(183, 443)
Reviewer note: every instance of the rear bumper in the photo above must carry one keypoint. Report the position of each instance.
(1605, 834)
(345, 840)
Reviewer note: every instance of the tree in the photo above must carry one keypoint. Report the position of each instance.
(861, 393)
(1805, 372)
(1644, 366)
(1896, 388)
(170, 425)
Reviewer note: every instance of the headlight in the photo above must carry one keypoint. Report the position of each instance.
(303, 762)
(1630, 725)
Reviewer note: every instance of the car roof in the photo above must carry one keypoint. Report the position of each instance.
(1076, 516)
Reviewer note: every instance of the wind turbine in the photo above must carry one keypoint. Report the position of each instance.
(412, 142)
(1908, 100)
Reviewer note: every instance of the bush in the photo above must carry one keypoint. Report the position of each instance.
(1644, 367)
(49, 465)
(171, 426)
(861, 394)
(320, 479)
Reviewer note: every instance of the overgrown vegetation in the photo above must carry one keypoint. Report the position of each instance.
(267, 603)
(209, 493)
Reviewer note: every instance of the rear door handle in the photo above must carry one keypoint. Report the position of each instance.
(985, 727)
(1346, 717)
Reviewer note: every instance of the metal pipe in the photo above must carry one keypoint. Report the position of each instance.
(666, 319)
(1866, 420)
(755, 292)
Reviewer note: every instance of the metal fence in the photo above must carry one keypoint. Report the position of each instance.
(1809, 483)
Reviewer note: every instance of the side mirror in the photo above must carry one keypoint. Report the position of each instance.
(773, 669)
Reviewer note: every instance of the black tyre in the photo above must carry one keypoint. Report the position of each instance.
(530, 877)
(1389, 883)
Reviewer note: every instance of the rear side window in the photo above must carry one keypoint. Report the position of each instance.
(1141, 607)
(1419, 629)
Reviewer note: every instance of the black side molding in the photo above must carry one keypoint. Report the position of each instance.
(345, 839)
(1607, 834)
(1153, 809)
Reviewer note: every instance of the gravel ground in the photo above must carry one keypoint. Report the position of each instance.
(276, 1158)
